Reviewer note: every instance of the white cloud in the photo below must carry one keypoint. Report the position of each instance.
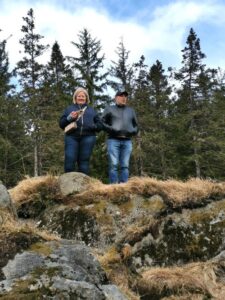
(165, 31)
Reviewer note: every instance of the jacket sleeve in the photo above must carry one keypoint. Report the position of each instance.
(98, 123)
(135, 123)
(63, 122)
(106, 120)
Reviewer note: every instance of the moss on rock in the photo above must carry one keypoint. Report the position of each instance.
(12, 243)
(71, 223)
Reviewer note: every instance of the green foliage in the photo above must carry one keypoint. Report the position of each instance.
(193, 110)
(153, 149)
(89, 65)
(56, 91)
(99, 160)
(30, 72)
(181, 125)
(121, 72)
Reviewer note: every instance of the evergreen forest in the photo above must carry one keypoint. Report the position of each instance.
(181, 113)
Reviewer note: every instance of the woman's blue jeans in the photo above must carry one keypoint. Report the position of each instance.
(119, 152)
(78, 151)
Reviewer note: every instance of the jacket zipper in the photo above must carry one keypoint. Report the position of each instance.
(82, 121)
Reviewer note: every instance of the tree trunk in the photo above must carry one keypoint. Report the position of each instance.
(197, 164)
(139, 156)
(35, 157)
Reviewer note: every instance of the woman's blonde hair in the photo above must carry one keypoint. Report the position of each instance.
(77, 91)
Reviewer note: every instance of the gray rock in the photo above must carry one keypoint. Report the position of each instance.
(66, 269)
(5, 201)
(77, 289)
(22, 264)
(111, 292)
(73, 183)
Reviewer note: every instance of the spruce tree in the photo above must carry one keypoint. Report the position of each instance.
(4, 121)
(152, 103)
(140, 101)
(160, 125)
(57, 90)
(89, 64)
(192, 106)
(214, 146)
(59, 73)
(120, 71)
(30, 74)
(12, 134)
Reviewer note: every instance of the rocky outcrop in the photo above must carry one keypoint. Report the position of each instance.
(101, 223)
(191, 235)
(57, 270)
(143, 230)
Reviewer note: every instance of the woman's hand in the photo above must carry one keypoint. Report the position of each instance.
(73, 116)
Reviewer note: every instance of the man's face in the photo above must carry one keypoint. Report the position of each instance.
(121, 100)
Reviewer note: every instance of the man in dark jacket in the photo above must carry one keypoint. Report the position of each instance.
(120, 123)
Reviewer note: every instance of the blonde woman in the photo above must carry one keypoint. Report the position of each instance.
(80, 142)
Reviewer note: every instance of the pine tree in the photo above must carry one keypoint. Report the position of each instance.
(30, 73)
(5, 75)
(120, 71)
(160, 105)
(4, 134)
(59, 73)
(193, 105)
(11, 126)
(89, 63)
(57, 90)
(152, 103)
(214, 146)
(140, 102)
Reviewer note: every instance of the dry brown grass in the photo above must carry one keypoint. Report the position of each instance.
(26, 188)
(178, 192)
(135, 233)
(196, 278)
(174, 192)
(111, 257)
(116, 272)
(11, 225)
(186, 297)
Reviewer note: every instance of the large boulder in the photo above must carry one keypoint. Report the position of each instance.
(57, 270)
(73, 183)
(178, 238)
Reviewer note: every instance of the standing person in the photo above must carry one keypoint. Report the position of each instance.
(80, 142)
(120, 123)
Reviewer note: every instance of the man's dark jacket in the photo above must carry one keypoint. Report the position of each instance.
(119, 121)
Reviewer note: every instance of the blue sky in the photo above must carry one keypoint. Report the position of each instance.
(155, 29)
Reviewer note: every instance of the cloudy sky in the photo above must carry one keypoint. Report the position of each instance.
(158, 29)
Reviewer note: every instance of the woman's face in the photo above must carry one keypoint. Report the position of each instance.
(81, 98)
